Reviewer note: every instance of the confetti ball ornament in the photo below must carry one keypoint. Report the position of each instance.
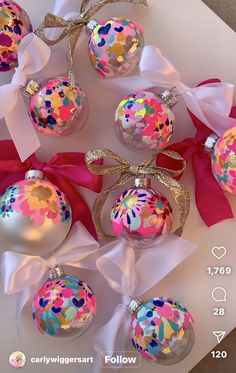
(64, 306)
(223, 159)
(144, 120)
(141, 215)
(35, 216)
(56, 107)
(161, 330)
(14, 26)
(115, 46)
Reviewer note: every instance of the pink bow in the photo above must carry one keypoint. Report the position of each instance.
(210, 199)
(63, 170)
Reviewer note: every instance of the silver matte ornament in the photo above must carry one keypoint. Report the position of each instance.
(35, 216)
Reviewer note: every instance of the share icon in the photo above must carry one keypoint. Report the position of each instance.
(219, 334)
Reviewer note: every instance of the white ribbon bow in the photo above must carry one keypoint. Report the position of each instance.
(33, 56)
(22, 274)
(131, 273)
(210, 103)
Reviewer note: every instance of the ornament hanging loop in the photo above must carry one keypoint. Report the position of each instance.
(129, 172)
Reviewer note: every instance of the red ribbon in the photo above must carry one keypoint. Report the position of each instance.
(63, 170)
(211, 202)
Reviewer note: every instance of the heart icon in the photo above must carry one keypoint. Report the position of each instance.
(219, 251)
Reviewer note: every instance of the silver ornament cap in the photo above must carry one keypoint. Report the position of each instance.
(134, 306)
(56, 273)
(34, 174)
(142, 182)
(91, 25)
(211, 142)
(168, 98)
(32, 87)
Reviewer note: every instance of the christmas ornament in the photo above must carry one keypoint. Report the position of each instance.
(115, 46)
(35, 215)
(161, 330)
(14, 26)
(211, 200)
(140, 214)
(33, 56)
(57, 107)
(64, 306)
(67, 170)
(211, 103)
(223, 159)
(144, 120)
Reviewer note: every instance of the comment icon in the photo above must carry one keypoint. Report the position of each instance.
(219, 294)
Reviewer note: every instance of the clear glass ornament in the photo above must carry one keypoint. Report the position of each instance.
(161, 330)
(35, 216)
(56, 107)
(223, 159)
(144, 120)
(115, 46)
(14, 26)
(141, 215)
(64, 306)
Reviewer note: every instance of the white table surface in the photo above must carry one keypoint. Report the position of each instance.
(201, 46)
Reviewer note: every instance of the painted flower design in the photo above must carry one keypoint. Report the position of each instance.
(54, 108)
(144, 121)
(224, 161)
(7, 200)
(15, 24)
(38, 199)
(141, 211)
(156, 323)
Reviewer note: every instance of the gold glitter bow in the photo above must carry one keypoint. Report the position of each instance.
(73, 27)
(127, 172)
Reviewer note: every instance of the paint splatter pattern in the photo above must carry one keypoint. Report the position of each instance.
(141, 211)
(115, 46)
(224, 161)
(144, 122)
(14, 25)
(56, 107)
(63, 304)
(158, 324)
(38, 199)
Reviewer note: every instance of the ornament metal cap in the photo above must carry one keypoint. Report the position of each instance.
(168, 98)
(210, 142)
(142, 182)
(34, 174)
(91, 25)
(56, 273)
(32, 87)
(134, 305)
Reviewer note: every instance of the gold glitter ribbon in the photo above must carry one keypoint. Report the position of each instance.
(128, 172)
(73, 27)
